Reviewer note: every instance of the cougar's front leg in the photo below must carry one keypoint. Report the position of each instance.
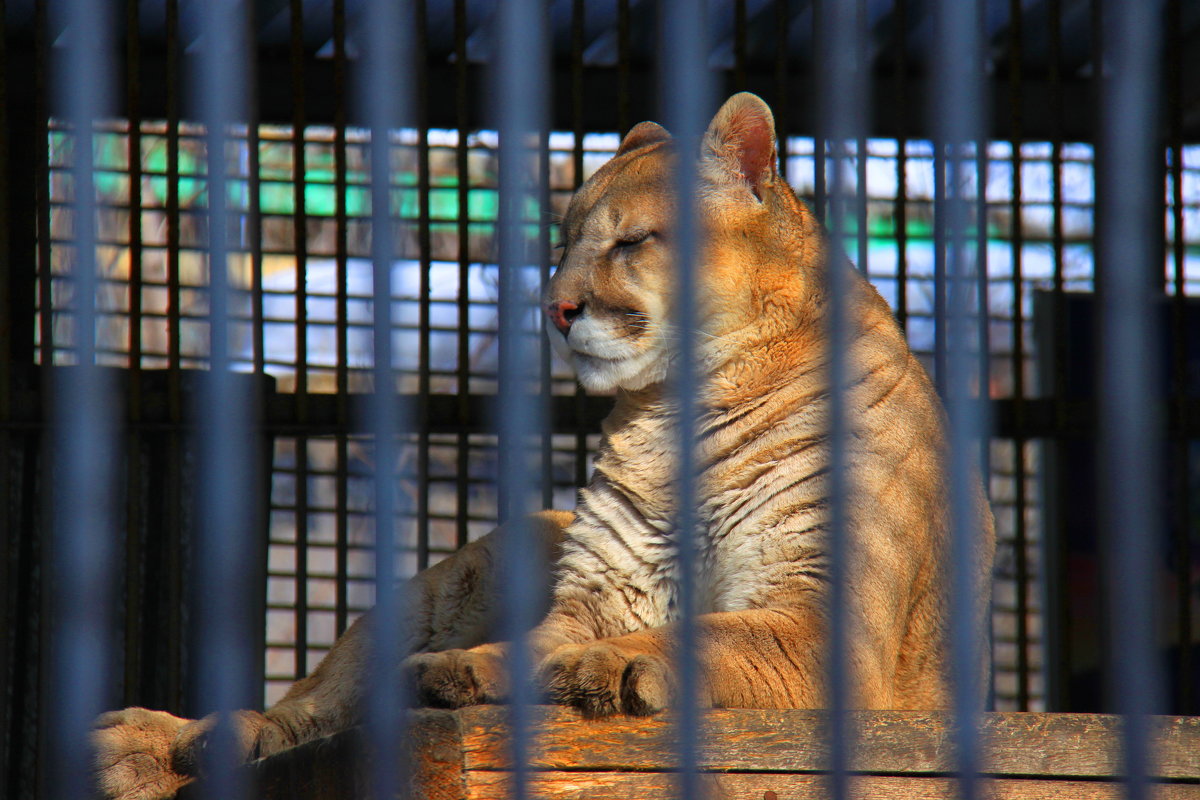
(578, 614)
(757, 658)
(454, 674)
(450, 605)
(148, 754)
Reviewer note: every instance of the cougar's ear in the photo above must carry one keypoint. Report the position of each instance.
(642, 134)
(740, 142)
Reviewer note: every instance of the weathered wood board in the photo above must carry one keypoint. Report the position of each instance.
(757, 755)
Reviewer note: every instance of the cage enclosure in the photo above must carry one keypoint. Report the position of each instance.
(191, 458)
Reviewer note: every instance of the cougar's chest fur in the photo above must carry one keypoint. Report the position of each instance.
(760, 510)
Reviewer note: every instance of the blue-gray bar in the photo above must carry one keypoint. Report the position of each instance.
(843, 113)
(83, 547)
(685, 81)
(1129, 272)
(519, 109)
(958, 129)
(384, 103)
(225, 546)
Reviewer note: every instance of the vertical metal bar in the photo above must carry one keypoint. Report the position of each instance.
(133, 116)
(545, 429)
(341, 256)
(861, 196)
(624, 67)
(1130, 428)
(1054, 75)
(939, 266)
(300, 397)
(301, 516)
(134, 590)
(6, 348)
(175, 439)
(956, 120)
(42, 115)
(255, 243)
(8, 516)
(173, 311)
(1020, 535)
(739, 45)
(520, 112)
(463, 362)
(984, 364)
(385, 101)
(820, 125)
(900, 17)
(299, 210)
(577, 99)
(82, 549)
(783, 116)
(1182, 542)
(424, 246)
(684, 45)
(842, 91)
(1055, 541)
(224, 550)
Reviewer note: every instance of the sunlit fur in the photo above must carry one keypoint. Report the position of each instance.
(763, 450)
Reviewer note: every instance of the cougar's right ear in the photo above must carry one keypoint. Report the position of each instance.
(740, 143)
(641, 135)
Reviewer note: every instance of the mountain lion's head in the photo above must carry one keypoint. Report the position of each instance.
(609, 303)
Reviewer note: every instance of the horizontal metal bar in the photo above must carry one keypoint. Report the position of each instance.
(1041, 418)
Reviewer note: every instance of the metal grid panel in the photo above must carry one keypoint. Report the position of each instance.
(1018, 231)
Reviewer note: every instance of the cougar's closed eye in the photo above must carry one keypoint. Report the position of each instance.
(633, 237)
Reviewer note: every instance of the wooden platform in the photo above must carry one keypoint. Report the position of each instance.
(757, 755)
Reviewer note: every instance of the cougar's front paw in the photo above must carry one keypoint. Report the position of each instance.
(456, 678)
(133, 754)
(601, 679)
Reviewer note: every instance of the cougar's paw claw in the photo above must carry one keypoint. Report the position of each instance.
(456, 678)
(601, 679)
(133, 754)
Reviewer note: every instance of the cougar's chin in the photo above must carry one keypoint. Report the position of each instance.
(604, 361)
(631, 374)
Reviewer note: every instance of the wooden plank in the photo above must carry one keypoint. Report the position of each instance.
(326, 769)
(772, 786)
(337, 767)
(435, 750)
(1049, 745)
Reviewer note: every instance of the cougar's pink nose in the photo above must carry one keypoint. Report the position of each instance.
(562, 313)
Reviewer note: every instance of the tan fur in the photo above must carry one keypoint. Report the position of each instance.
(763, 544)
(606, 641)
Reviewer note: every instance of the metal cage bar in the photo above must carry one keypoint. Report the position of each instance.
(685, 92)
(462, 367)
(385, 98)
(341, 315)
(519, 108)
(225, 548)
(957, 124)
(1129, 271)
(424, 246)
(83, 551)
(843, 112)
(1182, 543)
(300, 244)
